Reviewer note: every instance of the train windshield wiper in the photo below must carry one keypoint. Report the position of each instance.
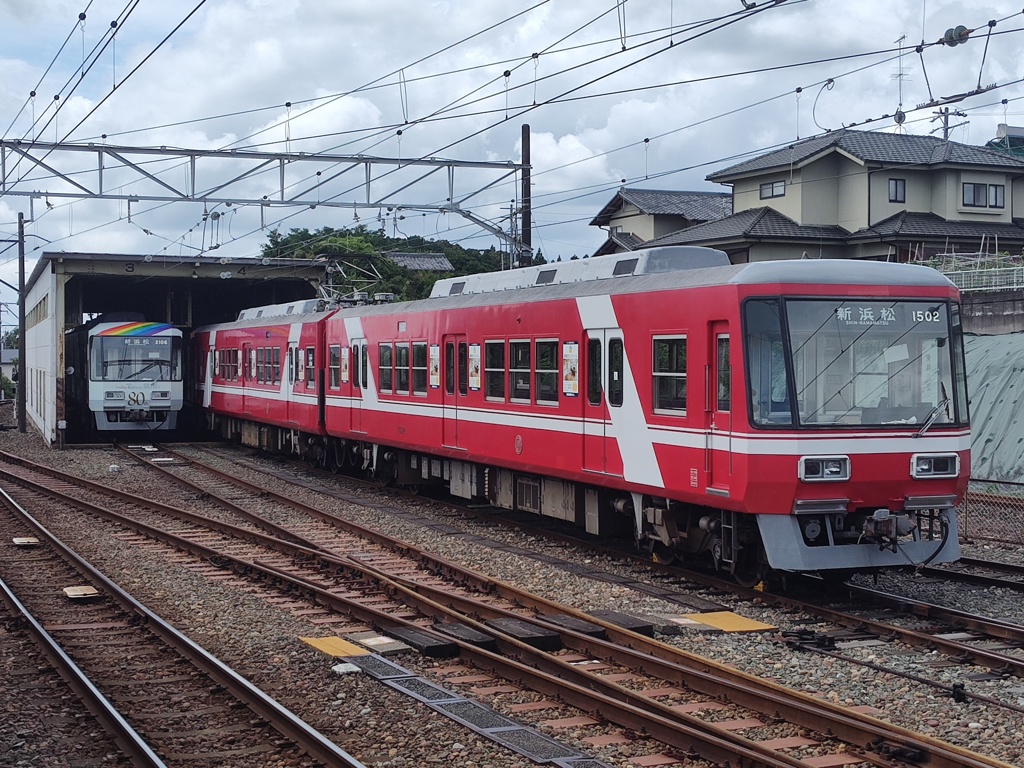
(933, 416)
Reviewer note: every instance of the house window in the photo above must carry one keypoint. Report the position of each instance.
(984, 195)
(773, 189)
(670, 374)
(897, 190)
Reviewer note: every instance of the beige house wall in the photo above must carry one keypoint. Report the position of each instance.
(819, 192)
(631, 219)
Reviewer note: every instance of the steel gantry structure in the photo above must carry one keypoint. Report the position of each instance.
(247, 178)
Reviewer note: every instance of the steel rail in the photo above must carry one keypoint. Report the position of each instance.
(276, 715)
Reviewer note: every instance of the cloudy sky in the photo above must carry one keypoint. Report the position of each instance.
(648, 93)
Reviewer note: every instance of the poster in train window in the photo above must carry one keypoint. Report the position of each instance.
(571, 369)
(435, 366)
(474, 367)
(344, 364)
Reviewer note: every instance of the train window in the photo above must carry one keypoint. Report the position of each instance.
(463, 367)
(547, 372)
(366, 364)
(494, 370)
(402, 369)
(519, 371)
(310, 368)
(419, 368)
(624, 267)
(277, 365)
(615, 372)
(449, 368)
(670, 374)
(384, 370)
(291, 365)
(355, 366)
(334, 363)
(724, 373)
(260, 365)
(237, 356)
(594, 371)
(300, 364)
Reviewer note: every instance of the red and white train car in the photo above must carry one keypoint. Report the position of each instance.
(799, 416)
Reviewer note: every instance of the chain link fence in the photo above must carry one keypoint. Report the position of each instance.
(993, 510)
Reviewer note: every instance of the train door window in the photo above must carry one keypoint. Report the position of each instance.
(310, 368)
(724, 373)
(463, 367)
(355, 366)
(494, 370)
(291, 365)
(402, 369)
(616, 366)
(385, 374)
(519, 371)
(670, 374)
(419, 368)
(334, 364)
(277, 365)
(594, 371)
(366, 364)
(252, 364)
(547, 372)
(449, 368)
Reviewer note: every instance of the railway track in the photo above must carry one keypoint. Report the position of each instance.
(655, 672)
(864, 618)
(164, 699)
(984, 573)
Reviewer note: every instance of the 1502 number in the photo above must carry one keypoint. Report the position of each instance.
(925, 316)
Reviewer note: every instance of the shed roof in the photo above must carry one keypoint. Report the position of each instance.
(421, 262)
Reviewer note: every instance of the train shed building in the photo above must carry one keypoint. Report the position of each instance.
(65, 289)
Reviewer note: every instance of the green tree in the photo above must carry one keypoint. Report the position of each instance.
(360, 240)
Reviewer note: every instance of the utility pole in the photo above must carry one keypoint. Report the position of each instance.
(526, 252)
(22, 371)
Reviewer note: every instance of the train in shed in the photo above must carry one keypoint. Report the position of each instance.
(124, 375)
(806, 415)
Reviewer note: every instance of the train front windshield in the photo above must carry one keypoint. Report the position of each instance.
(126, 358)
(861, 362)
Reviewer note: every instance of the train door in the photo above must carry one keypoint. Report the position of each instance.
(719, 410)
(605, 379)
(248, 377)
(292, 379)
(359, 379)
(456, 373)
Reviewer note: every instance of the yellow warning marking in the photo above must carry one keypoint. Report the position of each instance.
(727, 621)
(85, 591)
(335, 646)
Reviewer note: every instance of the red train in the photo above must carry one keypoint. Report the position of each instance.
(802, 415)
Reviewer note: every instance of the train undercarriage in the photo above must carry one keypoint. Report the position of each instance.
(725, 541)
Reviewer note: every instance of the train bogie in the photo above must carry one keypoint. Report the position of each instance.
(803, 416)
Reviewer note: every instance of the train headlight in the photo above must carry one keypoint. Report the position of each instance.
(818, 469)
(113, 395)
(926, 465)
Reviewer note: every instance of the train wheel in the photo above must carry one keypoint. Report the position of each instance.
(662, 554)
(750, 569)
